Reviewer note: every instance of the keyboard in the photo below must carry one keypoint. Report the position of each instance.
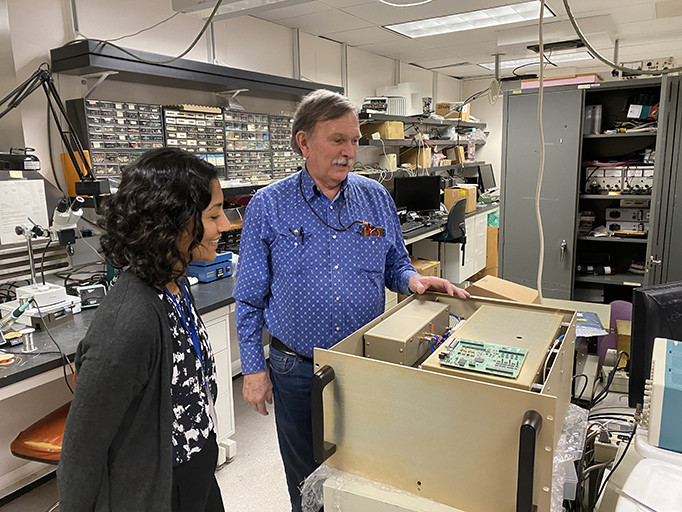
(410, 225)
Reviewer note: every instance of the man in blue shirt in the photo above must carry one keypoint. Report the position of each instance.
(317, 250)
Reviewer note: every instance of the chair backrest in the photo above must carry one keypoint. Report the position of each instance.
(456, 230)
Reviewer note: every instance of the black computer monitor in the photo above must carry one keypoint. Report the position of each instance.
(486, 177)
(417, 194)
(656, 313)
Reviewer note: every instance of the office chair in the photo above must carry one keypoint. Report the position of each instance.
(42, 441)
(455, 230)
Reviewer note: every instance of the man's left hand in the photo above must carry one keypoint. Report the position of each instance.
(419, 284)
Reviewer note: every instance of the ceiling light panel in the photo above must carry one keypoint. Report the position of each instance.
(473, 20)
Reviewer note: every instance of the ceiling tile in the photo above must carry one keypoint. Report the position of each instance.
(293, 11)
(650, 31)
(668, 9)
(395, 49)
(323, 23)
(339, 4)
(420, 57)
(362, 36)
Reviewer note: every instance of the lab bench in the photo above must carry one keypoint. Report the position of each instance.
(33, 385)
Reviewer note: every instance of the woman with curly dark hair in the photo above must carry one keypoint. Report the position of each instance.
(140, 434)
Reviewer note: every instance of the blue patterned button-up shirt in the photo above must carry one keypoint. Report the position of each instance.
(306, 283)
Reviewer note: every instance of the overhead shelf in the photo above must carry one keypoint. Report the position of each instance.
(241, 189)
(614, 196)
(615, 279)
(613, 239)
(88, 57)
(423, 120)
(408, 143)
(619, 135)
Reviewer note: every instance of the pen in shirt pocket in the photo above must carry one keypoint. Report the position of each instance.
(298, 233)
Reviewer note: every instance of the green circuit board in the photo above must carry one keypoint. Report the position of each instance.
(484, 358)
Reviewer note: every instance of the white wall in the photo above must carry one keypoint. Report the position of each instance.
(449, 89)
(366, 72)
(421, 76)
(492, 116)
(256, 45)
(320, 60)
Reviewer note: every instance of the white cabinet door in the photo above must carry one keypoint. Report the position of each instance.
(218, 326)
(480, 232)
(451, 254)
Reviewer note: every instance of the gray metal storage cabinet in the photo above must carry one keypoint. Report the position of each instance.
(566, 191)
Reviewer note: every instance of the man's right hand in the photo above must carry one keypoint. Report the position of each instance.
(257, 390)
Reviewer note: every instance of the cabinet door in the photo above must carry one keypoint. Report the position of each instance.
(217, 324)
(665, 244)
(519, 240)
(481, 241)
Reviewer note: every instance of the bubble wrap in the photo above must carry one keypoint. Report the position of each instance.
(568, 449)
(312, 492)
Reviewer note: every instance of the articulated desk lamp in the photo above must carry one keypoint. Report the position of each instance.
(87, 185)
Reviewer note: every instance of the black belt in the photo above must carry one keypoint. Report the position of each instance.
(278, 345)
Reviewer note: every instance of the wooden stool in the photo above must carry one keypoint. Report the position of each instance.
(42, 441)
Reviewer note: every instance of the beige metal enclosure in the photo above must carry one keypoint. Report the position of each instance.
(450, 436)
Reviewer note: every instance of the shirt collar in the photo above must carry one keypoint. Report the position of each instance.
(310, 189)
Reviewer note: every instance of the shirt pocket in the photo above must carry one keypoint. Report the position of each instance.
(371, 252)
(286, 255)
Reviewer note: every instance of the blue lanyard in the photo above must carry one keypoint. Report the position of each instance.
(189, 327)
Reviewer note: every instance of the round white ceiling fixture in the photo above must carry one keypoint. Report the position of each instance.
(405, 3)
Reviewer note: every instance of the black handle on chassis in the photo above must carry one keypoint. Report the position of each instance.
(530, 428)
(322, 450)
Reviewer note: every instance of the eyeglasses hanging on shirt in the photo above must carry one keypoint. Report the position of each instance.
(367, 228)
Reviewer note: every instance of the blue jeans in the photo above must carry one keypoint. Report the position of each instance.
(291, 380)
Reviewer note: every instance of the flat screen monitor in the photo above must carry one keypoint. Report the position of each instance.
(656, 313)
(417, 194)
(486, 177)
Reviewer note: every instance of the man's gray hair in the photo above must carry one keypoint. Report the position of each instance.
(319, 105)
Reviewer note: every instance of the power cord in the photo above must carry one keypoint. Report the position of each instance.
(99, 256)
(602, 394)
(42, 260)
(61, 352)
(582, 391)
(613, 470)
(167, 61)
(541, 90)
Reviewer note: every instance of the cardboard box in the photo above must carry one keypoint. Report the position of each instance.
(459, 155)
(445, 110)
(496, 288)
(623, 329)
(470, 192)
(425, 268)
(410, 157)
(388, 130)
